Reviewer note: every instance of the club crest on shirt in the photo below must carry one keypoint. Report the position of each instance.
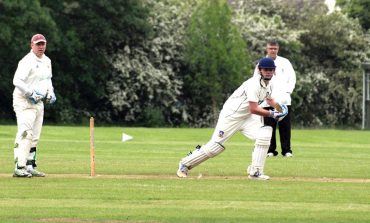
(221, 134)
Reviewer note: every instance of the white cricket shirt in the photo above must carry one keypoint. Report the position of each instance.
(33, 73)
(284, 81)
(254, 90)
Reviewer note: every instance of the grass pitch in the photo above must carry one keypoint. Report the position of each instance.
(327, 180)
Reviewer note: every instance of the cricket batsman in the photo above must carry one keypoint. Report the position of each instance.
(242, 113)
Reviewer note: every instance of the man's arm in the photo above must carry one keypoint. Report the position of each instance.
(257, 110)
(50, 95)
(256, 72)
(291, 77)
(280, 110)
(274, 104)
(19, 78)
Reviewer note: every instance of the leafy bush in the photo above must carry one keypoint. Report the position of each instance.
(216, 61)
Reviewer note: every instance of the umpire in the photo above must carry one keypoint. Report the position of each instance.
(284, 79)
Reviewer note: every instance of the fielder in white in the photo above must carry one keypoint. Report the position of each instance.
(242, 113)
(33, 88)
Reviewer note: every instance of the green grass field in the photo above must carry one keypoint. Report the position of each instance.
(327, 180)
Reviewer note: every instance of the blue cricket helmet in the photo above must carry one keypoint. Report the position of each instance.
(266, 62)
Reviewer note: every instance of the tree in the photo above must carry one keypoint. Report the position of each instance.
(359, 9)
(216, 59)
(326, 51)
(335, 47)
(145, 87)
(282, 20)
(91, 32)
(19, 20)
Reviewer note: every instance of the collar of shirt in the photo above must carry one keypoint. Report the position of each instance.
(37, 58)
(263, 83)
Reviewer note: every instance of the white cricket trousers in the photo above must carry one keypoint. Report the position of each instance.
(228, 125)
(251, 126)
(29, 121)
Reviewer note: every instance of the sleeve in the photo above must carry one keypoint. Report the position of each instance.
(252, 92)
(20, 78)
(50, 86)
(292, 78)
(256, 72)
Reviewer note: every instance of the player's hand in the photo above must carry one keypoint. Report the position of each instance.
(284, 109)
(50, 98)
(279, 115)
(35, 97)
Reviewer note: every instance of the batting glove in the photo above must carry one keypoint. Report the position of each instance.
(51, 98)
(35, 97)
(279, 115)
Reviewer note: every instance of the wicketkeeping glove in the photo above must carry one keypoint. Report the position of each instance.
(50, 98)
(35, 97)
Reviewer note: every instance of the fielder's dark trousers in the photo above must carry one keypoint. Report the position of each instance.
(284, 130)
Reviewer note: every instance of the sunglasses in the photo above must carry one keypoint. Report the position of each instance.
(269, 69)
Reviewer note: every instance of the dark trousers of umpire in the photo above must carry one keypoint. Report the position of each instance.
(284, 130)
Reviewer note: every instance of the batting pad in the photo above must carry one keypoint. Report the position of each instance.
(263, 136)
(261, 147)
(258, 159)
(31, 158)
(211, 149)
(23, 149)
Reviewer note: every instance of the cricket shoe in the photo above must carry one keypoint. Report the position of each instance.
(182, 172)
(257, 175)
(36, 173)
(288, 155)
(270, 155)
(22, 172)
